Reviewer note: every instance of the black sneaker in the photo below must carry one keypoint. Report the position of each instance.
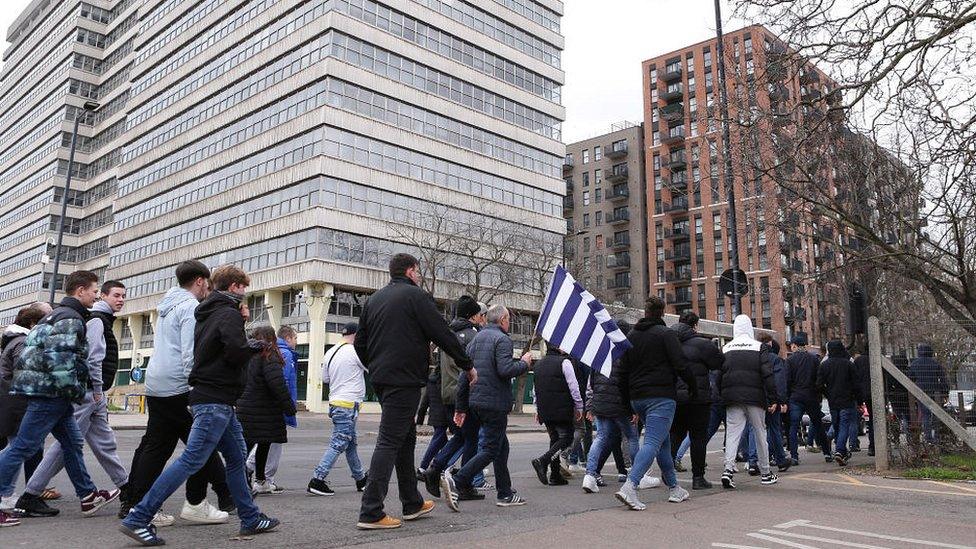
(361, 483)
(795, 461)
(432, 481)
(728, 481)
(226, 504)
(124, 508)
(754, 470)
(540, 470)
(421, 474)
(785, 466)
(318, 487)
(840, 459)
(829, 459)
(264, 524)
(450, 491)
(29, 505)
(469, 494)
(700, 483)
(769, 478)
(510, 501)
(600, 482)
(144, 535)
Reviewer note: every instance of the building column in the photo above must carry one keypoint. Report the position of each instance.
(318, 298)
(272, 300)
(135, 328)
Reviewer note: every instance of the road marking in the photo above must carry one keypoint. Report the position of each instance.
(850, 479)
(806, 476)
(825, 540)
(781, 541)
(807, 524)
(955, 486)
(733, 546)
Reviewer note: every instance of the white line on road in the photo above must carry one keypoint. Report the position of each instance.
(825, 540)
(781, 541)
(807, 524)
(733, 546)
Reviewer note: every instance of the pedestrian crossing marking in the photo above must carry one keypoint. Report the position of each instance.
(785, 535)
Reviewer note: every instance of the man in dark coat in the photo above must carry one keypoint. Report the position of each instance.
(928, 374)
(558, 404)
(838, 381)
(396, 328)
(804, 397)
(692, 415)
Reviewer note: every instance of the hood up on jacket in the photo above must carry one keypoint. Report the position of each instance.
(836, 349)
(684, 331)
(743, 336)
(174, 297)
(10, 333)
(925, 350)
(459, 324)
(742, 327)
(215, 301)
(102, 307)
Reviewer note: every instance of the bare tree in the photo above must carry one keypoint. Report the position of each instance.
(487, 255)
(431, 233)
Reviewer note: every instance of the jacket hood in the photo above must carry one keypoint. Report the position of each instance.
(742, 327)
(925, 350)
(459, 324)
(174, 296)
(12, 332)
(685, 332)
(73, 303)
(645, 324)
(835, 348)
(102, 307)
(214, 302)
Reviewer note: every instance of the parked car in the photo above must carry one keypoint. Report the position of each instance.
(952, 405)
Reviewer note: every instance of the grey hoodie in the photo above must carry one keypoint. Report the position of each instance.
(95, 332)
(172, 358)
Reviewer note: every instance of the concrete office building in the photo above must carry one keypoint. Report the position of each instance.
(302, 140)
(605, 209)
(688, 208)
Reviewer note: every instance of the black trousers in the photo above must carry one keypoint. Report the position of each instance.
(692, 420)
(170, 421)
(560, 438)
(395, 444)
(260, 457)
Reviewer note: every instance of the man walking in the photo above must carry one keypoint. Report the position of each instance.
(396, 328)
(52, 373)
(490, 401)
(692, 415)
(343, 373)
(287, 341)
(774, 420)
(559, 405)
(92, 414)
(837, 379)
(221, 354)
(647, 381)
(804, 397)
(168, 398)
(928, 374)
(749, 391)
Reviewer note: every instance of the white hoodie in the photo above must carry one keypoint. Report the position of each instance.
(743, 336)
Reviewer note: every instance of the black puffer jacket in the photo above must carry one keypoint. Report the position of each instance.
(801, 377)
(604, 395)
(650, 368)
(837, 379)
(862, 369)
(12, 407)
(266, 400)
(703, 356)
(747, 372)
(220, 352)
(553, 399)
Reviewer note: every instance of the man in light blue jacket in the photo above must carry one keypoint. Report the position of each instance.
(167, 397)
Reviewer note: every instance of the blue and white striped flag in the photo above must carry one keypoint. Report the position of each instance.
(574, 321)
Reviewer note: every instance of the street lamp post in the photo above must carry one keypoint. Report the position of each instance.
(723, 101)
(89, 107)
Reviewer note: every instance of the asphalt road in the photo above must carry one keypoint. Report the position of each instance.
(814, 505)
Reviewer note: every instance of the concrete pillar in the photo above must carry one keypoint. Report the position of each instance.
(272, 300)
(318, 298)
(878, 410)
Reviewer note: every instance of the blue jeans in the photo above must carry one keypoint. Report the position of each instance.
(658, 414)
(436, 443)
(215, 427)
(844, 420)
(812, 409)
(608, 430)
(343, 442)
(43, 416)
(774, 437)
(492, 448)
(685, 444)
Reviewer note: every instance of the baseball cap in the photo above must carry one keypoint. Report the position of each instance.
(350, 328)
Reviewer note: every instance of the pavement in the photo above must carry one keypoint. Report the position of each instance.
(815, 505)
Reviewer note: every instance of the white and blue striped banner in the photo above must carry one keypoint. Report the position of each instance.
(574, 321)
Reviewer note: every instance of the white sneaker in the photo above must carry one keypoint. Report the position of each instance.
(161, 520)
(628, 496)
(8, 503)
(576, 468)
(589, 484)
(203, 513)
(564, 466)
(262, 487)
(649, 482)
(678, 494)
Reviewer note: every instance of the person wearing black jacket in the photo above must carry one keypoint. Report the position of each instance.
(862, 370)
(559, 404)
(396, 328)
(804, 397)
(221, 354)
(263, 406)
(648, 371)
(692, 415)
(838, 381)
(749, 390)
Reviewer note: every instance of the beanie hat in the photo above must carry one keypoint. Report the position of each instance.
(800, 339)
(466, 307)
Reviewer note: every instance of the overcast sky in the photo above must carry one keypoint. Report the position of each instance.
(606, 41)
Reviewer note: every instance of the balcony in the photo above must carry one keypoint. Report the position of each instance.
(619, 283)
(678, 182)
(616, 150)
(678, 276)
(618, 173)
(793, 265)
(622, 241)
(679, 254)
(825, 256)
(790, 243)
(568, 204)
(673, 92)
(677, 161)
(677, 234)
(618, 261)
(677, 205)
(673, 111)
(619, 216)
(619, 192)
(672, 72)
(675, 135)
(567, 164)
(680, 299)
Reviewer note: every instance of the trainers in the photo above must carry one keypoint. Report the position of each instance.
(275, 489)
(679, 467)
(144, 535)
(50, 493)
(556, 477)
(162, 520)
(840, 459)
(427, 507)
(589, 484)
(469, 494)
(600, 482)
(8, 519)
(700, 483)
(576, 468)
(628, 496)
(7, 503)
(485, 487)
(203, 513)
(769, 478)
(29, 505)
(385, 523)
(564, 467)
(540, 471)
(785, 466)
(94, 501)
(432, 481)
(754, 470)
(511, 501)
(124, 508)
(795, 462)
(226, 504)
(728, 481)
(361, 483)
(263, 525)
(813, 449)
(262, 487)
(450, 492)
(621, 478)
(649, 482)
(677, 494)
(421, 473)
(318, 487)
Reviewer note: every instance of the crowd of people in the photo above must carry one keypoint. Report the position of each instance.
(230, 398)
